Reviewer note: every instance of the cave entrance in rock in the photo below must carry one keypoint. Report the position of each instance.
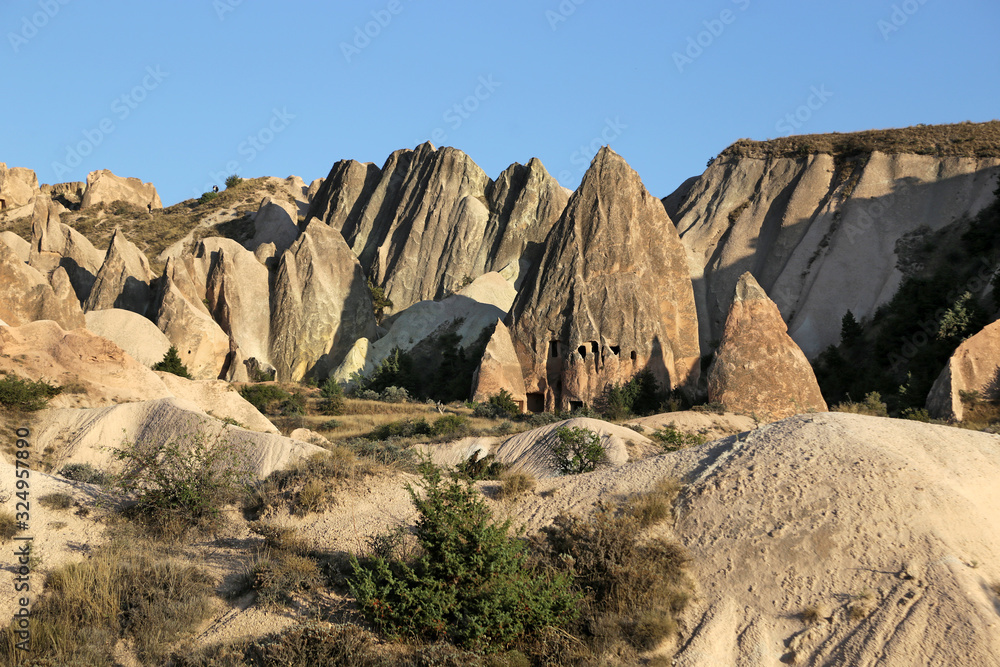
(575, 405)
(536, 402)
(553, 348)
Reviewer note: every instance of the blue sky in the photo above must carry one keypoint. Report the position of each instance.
(182, 93)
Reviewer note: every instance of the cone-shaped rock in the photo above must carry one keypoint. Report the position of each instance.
(758, 368)
(275, 222)
(610, 298)
(25, 295)
(238, 297)
(320, 305)
(974, 367)
(54, 245)
(499, 369)
(123, 280)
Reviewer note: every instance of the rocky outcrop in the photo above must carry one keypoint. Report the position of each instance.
(499, 370)
(320, 305)
(820, 232)
(123, 280)
(103, 187)
(20, 247)
(611, 296)
(201, 344)
(26, 296)
(55, 245)
(974, 369)
(275, 222)
(758, 368)
(430, 219)
(17, 186)
(130, 331)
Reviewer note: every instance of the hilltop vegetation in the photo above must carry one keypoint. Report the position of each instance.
(957, 140)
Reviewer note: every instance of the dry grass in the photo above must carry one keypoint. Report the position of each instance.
(813, 614)
(655, 505)
(961, 139)
(8, 525)
(56, 501)
(514, 483)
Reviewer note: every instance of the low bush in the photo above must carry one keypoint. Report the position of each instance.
(671, 439)
(449, 425)
(232, 181)
(641, 395)
(472, 584)
(25, 395)
(499, 406)
(171, 363)
(180, 485)
(576, 450)
(404, 428)
(394, 395)
(279, 576)
(86, 473)
(656, 504)
(56, 501)
(207, 197)
(872, 406)
(476, 469)
(332, 403)
(267, 398)
(514, 483)
(8, 525)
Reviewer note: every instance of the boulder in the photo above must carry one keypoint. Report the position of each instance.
(276, 221)
(499, 369)
(20, 247)
(103, 187)
(26, 296)
(320, 305)
(974, 367)
(201, 344)
(611, 297)
(758, 368)
(130, 331)
(17, 186)
(123, 280)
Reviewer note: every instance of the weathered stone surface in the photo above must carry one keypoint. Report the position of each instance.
(123, 279)
(499, 369)
(430, 219)
(54, 245)
(219, 399)
(275, 222)
(20, 247)
(238, 297)
(320, 305)
(758, 368)
(974, 367)
(130, 331)
(26, 296)
(611, 297)
(819, 233)
(104, 187)
(17, 186)
(201, 344)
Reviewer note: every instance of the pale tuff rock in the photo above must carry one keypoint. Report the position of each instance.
(275, 222)
(499, 369)
(20, 247)
(28, 296)
(132, 332)
(104, 187)
(973, 368)
(610, 298)
(218, 399)
(758, 368)
(320, 305)
(123, 280)
(818, 232)
(54, 245)
(17, 186)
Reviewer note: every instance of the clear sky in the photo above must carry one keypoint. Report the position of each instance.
(182, 93)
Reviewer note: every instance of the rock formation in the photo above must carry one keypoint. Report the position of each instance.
(819, 231)
(26, 296)
(275, 222)
(103, 187)
(20, 247)
(130, 331)
(17, 186)
(758, 368)
(320, 305)
(974, 367)
(55, 245)
(123, 280)
(499, 369)
(430, 219)
(611, 296)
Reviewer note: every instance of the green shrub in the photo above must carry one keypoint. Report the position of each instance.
(171, 363)
(672, 439)
(294, 405)
(207, 197)
(394, 395)
(379, 301)
(279, 576)
(449, 425)
(640, 396)
(84, 472)
(471, 585)
(232, 181)
(475, 468)
(177, 486)
(333, 398)
(872, 406)
(499, 406)
(576, 450)
(514, 483)
(265, 397)
(19, 394)
(404, 428)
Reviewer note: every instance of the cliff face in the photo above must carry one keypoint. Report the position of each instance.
(430, 220)
(820, 233)
(611, 296)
